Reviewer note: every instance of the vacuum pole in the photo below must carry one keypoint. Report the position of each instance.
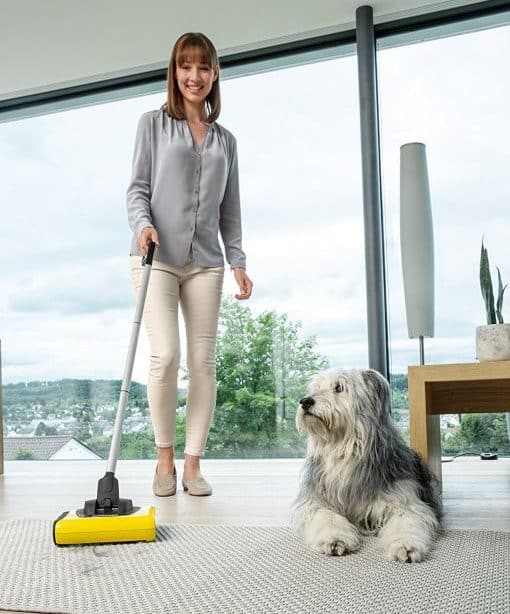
(126, 381)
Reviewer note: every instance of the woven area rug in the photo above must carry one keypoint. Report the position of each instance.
(217, 569)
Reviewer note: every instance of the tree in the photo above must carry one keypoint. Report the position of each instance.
(24, 455)
(262, 369)
(132, 445)
(45, 431)
(138, 445)
(84, 419)
(479, 433)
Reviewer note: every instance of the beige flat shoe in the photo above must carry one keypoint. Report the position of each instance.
(164, 485)
(199, 487)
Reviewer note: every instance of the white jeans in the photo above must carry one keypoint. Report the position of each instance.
(198, 290)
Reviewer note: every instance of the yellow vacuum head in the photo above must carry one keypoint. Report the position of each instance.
(72, 528)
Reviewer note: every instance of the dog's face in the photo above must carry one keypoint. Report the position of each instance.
(338, 401)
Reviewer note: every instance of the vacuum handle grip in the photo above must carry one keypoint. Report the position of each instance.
(147, 259)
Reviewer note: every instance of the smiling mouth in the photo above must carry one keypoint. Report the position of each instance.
(194, 90)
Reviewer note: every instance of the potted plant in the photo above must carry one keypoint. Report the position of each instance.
(492, 339)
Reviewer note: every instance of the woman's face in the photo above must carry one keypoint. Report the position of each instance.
(194, 77)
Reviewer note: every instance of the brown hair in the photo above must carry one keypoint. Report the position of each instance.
(174, 105)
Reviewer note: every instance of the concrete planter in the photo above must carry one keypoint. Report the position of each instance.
(493, 342)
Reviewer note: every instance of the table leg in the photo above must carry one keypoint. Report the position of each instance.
(425, 436)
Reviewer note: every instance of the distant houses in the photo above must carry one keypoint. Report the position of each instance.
(66, 425)
(47, 448)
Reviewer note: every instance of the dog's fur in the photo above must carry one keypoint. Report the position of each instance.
(359, 476)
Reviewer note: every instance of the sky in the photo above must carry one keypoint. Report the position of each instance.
(67, 304)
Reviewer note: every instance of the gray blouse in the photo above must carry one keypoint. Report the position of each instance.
(185, 194)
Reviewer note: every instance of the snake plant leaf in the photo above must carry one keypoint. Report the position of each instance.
(499, 304)
(486, 286)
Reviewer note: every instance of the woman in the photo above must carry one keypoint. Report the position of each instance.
(184, 189)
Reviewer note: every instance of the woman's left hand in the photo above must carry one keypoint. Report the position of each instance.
(244, 282)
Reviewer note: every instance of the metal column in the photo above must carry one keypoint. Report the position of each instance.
(372, 200)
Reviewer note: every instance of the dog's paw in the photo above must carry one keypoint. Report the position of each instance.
(406, 551)
(336, 544)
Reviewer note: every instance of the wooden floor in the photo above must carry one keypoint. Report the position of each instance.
(476, 493)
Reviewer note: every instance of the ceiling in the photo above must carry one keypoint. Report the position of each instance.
(61, 43)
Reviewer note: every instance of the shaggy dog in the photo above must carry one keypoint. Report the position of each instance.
(359, 476)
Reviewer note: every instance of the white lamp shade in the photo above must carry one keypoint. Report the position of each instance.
(416, 240)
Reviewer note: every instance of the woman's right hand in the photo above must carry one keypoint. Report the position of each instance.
(148, 234)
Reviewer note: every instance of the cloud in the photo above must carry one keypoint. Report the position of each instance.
(66, 304)
(70, 288)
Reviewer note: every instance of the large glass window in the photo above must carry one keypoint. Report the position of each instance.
(452, 94)
(67, 299)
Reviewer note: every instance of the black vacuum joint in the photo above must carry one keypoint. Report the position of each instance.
(108, 501)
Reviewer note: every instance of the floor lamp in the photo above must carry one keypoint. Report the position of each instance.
(417, 243)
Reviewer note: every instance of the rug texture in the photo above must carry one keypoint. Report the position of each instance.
(217, 569)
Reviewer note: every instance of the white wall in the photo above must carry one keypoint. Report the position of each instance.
(73, 450)
(49, 44)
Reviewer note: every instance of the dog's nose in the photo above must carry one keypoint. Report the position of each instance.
(307, 402)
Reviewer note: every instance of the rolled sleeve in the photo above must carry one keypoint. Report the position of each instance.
(139, 189)
(230, 216)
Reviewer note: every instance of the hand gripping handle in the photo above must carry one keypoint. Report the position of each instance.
(147, 259)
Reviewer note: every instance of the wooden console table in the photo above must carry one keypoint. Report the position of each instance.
(452, 389)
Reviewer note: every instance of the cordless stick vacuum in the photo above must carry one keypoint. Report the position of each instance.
(109, 519)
